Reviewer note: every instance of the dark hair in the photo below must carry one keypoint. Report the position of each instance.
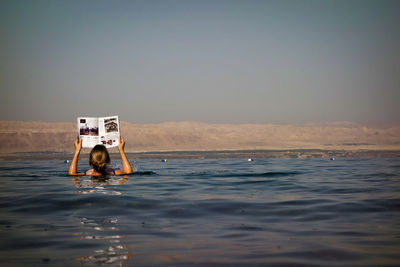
(99, 158)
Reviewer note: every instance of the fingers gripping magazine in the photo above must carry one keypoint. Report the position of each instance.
(95, 131)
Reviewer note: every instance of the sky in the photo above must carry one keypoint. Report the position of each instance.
(217, 61)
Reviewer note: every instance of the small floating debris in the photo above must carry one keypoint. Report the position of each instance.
(250, 159)
(164, 160)
(66, 161)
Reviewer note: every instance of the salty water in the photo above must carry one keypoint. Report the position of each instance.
(203, 212)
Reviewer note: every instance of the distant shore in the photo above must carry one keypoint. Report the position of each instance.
(180, 138)
(254, 154)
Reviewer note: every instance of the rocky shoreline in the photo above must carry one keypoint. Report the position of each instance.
(254, 154)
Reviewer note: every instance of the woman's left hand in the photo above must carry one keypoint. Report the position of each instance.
(78, 145)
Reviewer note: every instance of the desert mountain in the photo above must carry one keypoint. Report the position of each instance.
(17, 136)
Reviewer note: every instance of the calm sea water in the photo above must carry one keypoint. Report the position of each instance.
(277, 212)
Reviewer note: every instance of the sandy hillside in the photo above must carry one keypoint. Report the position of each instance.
(174, 136)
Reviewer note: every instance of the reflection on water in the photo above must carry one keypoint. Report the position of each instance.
(98, 185)
(107, 229)
(115, 254)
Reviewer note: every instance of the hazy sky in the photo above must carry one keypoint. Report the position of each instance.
(211, 61)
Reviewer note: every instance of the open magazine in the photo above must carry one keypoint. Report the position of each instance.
(95, 131)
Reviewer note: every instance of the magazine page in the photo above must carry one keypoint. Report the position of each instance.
(88, 130)
(109, 131)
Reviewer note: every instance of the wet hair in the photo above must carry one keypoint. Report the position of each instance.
(99, 158)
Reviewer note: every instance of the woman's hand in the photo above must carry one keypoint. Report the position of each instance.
(126, 166)
(78, 145)
(121, 144)
(74, 163)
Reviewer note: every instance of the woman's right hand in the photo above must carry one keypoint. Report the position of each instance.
(126, 166)
(121, 144)
(78, 145)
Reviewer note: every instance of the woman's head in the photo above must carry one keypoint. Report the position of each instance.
(99, 158)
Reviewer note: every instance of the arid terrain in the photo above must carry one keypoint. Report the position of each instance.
(17, 136)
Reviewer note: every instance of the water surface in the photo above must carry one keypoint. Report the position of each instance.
(280, 212)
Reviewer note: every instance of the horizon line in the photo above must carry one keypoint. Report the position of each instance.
(338, 122)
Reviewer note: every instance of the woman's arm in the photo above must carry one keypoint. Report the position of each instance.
(126, 166)
(74, 163)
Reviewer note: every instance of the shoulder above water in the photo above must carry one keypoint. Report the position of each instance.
(92, 172)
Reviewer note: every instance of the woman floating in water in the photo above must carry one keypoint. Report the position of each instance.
(99, 159)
